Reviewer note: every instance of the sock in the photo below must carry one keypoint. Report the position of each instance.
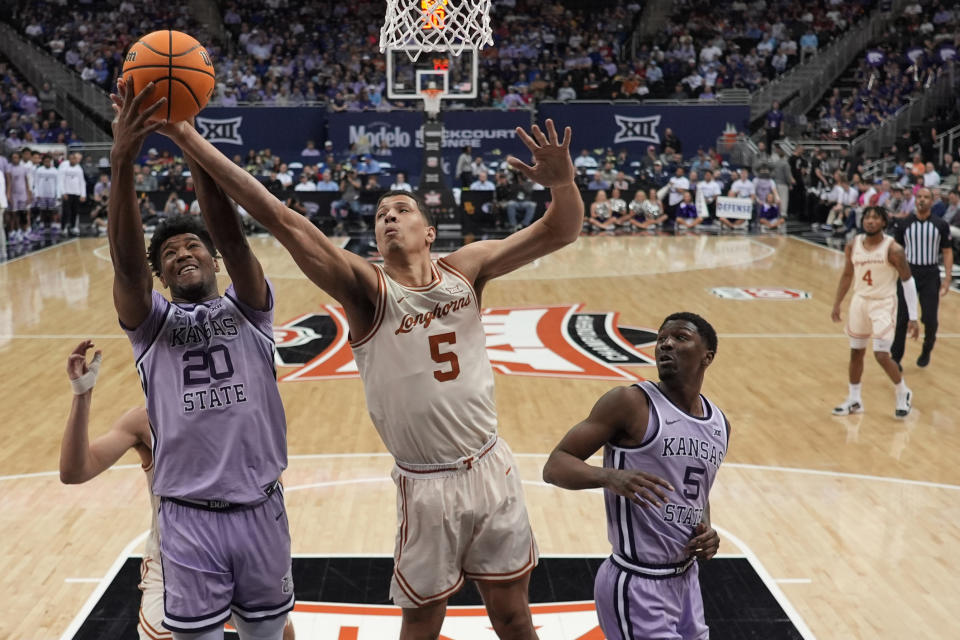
(854, 393)
(901, 386)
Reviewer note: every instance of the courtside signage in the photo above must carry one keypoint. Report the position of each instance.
(759, 293)
(554, 341)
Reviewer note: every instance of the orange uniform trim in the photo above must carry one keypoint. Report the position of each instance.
(508, 575)
(378, 314)
(421, 601)
(150, 631)
(429, 285)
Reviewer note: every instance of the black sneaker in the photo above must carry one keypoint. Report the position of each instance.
(924, 359)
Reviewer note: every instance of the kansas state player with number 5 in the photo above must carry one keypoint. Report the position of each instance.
(420, 346)
(663, 445)
(217, 424)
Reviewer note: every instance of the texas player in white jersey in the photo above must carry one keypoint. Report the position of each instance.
(873, 262)
(82, 460)
(418, 340)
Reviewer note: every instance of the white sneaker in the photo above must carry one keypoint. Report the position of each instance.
(904, 404)
(848, 407)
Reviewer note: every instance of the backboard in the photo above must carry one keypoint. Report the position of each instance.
(455, 76)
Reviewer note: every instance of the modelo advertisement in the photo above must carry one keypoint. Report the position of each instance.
(635, 126)
(235, 130)
(487, 132)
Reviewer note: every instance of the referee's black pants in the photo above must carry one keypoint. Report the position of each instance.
(927, 278)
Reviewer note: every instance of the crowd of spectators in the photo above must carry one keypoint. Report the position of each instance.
(27, 115)
(915, 51)
(541, 51)
(92, 37)
(708, 45)
(294, 54)
(283, 52)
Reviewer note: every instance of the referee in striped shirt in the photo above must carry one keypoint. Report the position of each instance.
(925, 238)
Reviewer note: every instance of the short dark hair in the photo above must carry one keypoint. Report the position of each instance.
(421, 205)
(880, 211)
(704, 328)
(176, 226)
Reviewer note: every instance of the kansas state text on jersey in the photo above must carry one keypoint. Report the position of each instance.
(684, 450)
(218, 425)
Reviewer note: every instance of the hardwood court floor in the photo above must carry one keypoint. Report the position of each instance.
(853, 517)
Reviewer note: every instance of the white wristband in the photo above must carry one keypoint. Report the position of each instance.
(910, 296)
(85, 382)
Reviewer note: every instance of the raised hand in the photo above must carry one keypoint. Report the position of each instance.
(640, 487)
(130, 125)
(705, 542)
(77, 361)
(551, 157)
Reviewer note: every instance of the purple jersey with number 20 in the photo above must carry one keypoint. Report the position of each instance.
(207, 371)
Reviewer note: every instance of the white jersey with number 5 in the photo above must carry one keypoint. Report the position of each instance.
(425, 371)
(873, 274)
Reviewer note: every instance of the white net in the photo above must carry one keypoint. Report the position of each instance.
(436, 25)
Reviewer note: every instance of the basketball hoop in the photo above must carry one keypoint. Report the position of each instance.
(431, 101)
(436, 25)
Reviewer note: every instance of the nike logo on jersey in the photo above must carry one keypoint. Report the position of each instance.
(672, 421)
(401, 299)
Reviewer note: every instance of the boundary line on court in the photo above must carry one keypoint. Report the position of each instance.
(840, 251)
(771, 584)
(105, 581)
(527, 271)
(735, 465)
(127, 552)
(33, 253)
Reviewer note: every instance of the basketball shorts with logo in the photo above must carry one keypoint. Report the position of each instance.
(150, 623)
(631, 606)
(218, 563)
(872, 318)
(463, 520)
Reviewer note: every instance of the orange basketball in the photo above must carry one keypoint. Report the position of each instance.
(181, 69)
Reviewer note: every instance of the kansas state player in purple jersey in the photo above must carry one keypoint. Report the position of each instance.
(663, 444)
(217, 424)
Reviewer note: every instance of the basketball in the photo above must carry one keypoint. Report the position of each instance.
(181, 68)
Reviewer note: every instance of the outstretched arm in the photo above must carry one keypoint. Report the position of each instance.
(132, 280)
(559, 226)
(80, 459)
(223, 222)
(350, 279)
(844, 285)
(620, 412)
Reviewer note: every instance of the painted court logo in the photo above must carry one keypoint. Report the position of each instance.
(759, 293)
(556, 341)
